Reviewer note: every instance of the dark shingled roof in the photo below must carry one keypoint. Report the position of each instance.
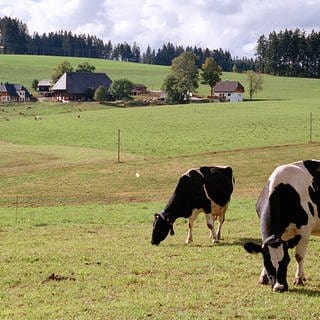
(80, 82)
(12, 89)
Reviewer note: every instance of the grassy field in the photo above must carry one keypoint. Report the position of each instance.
(75, 224)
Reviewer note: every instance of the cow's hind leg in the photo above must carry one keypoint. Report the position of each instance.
(210, 225)
(190, 225)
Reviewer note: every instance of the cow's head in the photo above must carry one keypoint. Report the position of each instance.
(275, 259)
(161, 228)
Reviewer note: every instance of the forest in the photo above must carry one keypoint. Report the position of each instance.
(289, 53)
(286, 53)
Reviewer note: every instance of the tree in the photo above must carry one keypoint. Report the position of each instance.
(174, 93)
(211, 73)
(100, 94)
(184, 78)
(121, 88)
(34, 84)
(60, 69)
(14, 36)
(85, 67)
(255, 82)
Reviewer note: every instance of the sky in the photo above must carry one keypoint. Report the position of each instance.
(233, 25)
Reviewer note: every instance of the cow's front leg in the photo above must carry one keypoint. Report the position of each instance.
(263, 279)
(301, 250)
(190, 225)
(210, 224)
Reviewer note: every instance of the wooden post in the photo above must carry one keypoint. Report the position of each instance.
(17, 204)
(310, 136)
(119, 144)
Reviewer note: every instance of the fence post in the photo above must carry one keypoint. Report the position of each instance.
(310, 133)
(17, 204)
(119, 144)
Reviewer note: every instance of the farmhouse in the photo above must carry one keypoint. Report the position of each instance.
(13, 93)
(231, 91)
(79, 85)
(44, 87)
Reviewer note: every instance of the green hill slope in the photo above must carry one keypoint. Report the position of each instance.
(23, 69)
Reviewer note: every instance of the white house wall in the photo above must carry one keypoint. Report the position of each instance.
(235, 97)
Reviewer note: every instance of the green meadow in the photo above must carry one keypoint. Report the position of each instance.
(75, 220)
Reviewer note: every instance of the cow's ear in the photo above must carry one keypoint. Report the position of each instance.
(252, 247)
(293, 242)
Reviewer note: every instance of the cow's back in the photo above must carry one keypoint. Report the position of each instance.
(218, 182)
(285, 203)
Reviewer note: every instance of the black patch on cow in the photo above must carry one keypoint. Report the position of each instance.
(218, 183)
(314, 191)
(190, 194)
(284, 207)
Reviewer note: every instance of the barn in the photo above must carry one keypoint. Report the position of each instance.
(79, 85)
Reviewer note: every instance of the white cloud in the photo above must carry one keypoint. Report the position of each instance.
(227, 24)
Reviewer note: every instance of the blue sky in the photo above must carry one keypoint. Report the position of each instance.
(227, 24)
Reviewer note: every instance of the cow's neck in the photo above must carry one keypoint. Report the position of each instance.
(173, 211)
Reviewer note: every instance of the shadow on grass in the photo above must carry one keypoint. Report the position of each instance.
(259, 100)
(223, 243)
(304, 291)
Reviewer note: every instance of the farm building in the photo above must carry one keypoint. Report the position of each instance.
(139, 89)
(13, 93)
(44, 86)
(79, 85)
(231, 91)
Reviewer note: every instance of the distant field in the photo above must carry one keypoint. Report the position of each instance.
(24, 69)
(69, 208)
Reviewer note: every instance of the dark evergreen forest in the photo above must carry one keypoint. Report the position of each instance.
(287, 53)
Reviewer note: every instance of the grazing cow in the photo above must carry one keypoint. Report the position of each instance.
(289, 212)
(205, 189)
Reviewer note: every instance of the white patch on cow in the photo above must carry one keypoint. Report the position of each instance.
(294, 174)
(276, 255)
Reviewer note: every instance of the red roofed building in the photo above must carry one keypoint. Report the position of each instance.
(231, 91)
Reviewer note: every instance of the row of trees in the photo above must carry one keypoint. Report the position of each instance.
(286, 53)
(15, 39)
(289, 53)
(184, 78)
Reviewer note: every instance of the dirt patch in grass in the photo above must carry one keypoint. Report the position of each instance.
(58, 277)
(50, 178)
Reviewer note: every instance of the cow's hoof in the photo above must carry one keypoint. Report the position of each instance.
(279, 288)
(215, 241)
(263, 280)
(188, 241)
(299, 281)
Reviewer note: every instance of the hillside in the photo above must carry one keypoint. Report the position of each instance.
(24, 69)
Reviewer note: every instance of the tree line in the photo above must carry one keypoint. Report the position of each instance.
(289, 53)
(15, 39)
(286, 53)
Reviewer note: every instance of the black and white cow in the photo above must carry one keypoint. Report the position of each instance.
(289, 212)
(205, 189)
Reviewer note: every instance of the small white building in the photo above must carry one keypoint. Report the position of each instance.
(231, 91)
